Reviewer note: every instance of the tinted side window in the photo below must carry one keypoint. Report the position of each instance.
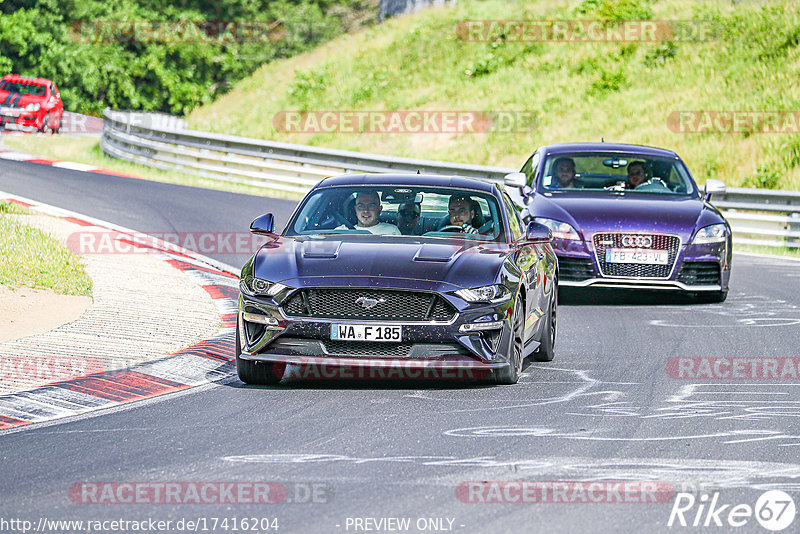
(530, 168)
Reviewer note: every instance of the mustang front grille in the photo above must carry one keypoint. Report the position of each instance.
(604, 241)
(293, 346)
(368, 305)
(367, 349)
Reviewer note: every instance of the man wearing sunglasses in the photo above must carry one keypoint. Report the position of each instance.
(408, 217)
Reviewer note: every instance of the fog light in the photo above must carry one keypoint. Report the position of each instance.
(260, 319)
(477, 327)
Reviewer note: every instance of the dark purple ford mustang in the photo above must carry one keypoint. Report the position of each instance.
(422, 276)
(627, 216)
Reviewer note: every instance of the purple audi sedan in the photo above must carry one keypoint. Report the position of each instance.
(627, 216)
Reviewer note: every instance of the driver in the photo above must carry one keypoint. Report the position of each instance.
(564, 171)
(462, 213)
(368, 209)
(638, 173)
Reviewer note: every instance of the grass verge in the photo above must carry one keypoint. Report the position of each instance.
(782, 252)
(577, 91)
(29, 257)
(87, 150)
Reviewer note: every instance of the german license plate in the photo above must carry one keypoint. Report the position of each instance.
(364, 332)
(637, 255)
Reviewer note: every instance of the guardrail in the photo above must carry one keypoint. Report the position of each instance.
(758, 217)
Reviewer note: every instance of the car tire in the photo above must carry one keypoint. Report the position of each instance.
(546, 350)
(510, 374)
(46, 127)
(712, 297)
(57, 129)
(256, 373)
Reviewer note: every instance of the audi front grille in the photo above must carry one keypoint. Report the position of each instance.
(603, 241)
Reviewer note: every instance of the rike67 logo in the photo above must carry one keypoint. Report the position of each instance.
(774, 510)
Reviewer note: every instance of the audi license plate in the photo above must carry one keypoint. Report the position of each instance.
(637, 255)
(364, 332)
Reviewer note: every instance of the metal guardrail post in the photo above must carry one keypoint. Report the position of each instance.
(793, 239)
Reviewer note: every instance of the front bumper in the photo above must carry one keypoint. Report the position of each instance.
(425, 345)
(697, 268)
(14, 118)
(639, 284)
(375, 368)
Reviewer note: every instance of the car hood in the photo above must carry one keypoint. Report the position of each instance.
(20, 100)
(456, 262)
(590, 213)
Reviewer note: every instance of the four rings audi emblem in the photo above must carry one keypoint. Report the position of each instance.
(637, 241)
(368, 303)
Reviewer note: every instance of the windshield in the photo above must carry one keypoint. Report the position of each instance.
(400, 211)
(24, 89)
(616, 172)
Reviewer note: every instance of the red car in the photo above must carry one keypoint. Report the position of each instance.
(30, 103)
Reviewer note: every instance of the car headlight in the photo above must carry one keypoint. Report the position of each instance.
(33, 107)
(716, 233)
(561, 230)
(250, 285)
(494, 293)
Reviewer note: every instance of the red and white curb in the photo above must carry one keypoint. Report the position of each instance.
(14, 155)
(207, 361)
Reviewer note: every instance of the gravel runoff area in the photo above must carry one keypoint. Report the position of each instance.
(142, 309)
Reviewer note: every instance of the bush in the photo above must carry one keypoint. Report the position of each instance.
(763, 179)
(43, 38)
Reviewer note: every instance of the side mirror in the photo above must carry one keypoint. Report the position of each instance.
(264, 225)
(714, 187)
(515, 179)
(538, 233)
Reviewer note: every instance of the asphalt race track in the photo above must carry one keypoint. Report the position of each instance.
(613, 406)
(142, 205)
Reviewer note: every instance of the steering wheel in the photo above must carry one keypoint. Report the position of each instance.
(451, 228)
(342, 220)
